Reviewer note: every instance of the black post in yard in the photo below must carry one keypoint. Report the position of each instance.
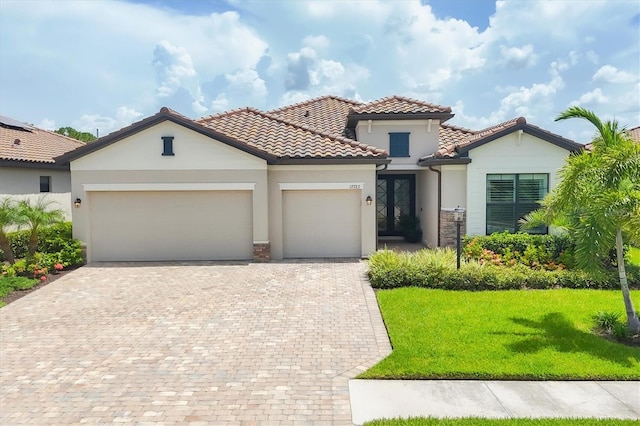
(457, 245)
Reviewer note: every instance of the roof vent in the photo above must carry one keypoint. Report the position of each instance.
(16, 142)
(306, 114)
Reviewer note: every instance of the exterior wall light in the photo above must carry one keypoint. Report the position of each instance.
(369, 200)
(77, 203)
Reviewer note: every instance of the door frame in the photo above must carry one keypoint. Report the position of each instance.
(390, 178)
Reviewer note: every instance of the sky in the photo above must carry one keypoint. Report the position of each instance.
(101, 65)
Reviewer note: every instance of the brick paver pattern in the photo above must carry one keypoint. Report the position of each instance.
(193, 343)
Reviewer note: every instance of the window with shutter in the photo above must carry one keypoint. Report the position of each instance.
(399, 144)
(512, 196)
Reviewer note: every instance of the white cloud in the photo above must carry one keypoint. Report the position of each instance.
(103, 125)
(518, 57)
(316, 42)
(250, 80)
(593, 97)
(47, 124)
(611, 74)
(174, 68)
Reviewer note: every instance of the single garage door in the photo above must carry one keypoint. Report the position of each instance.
(171, 225)
(321, 223)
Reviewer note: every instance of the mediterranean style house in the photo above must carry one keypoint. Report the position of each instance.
(328, 177)
(27, 163)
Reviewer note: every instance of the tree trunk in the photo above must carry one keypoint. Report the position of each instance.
(6, 248)
(632, 319)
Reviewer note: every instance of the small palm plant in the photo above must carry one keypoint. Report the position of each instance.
(8, 217)
(598, 200)
(36, 216)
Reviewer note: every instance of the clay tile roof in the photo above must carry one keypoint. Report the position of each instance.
(327, 113)
(634, 134)
(452, 135)
(285, 139)
(22, 142)
(489, 131)
(400, 105)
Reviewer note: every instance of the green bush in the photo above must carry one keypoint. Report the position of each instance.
(9, 284)
(56, 245)
(437, 269)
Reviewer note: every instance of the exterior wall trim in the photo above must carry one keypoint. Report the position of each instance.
(321, 186)
(232, 186)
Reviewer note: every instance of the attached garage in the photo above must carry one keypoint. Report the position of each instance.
(321, 223)
(170, 225)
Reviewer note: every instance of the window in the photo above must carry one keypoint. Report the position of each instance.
(167, 145)
(45, 183)
(399, 144)
(510, 197)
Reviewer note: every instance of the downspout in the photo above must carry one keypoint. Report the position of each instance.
(439, 173)
(384, 167)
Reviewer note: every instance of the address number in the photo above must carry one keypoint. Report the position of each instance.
(355, 187)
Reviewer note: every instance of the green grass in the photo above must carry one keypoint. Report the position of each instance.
(634, 256)
(430, 421)
(516, 334)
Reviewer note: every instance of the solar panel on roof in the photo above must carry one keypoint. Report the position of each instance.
(6, 121)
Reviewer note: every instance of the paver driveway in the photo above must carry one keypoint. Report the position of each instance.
(205, 343)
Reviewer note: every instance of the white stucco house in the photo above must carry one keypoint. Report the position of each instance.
(327, 177)
(27, 163)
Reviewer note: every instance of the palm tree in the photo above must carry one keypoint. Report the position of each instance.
(8, 217)
(34, 217)
(598, 200)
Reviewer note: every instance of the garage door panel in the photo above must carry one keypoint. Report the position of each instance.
(321, 223)
(171, 225)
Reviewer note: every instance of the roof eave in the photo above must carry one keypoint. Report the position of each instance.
(567, 144)
(353, 118)
(332, 160)
(33, 164)
(439, 161)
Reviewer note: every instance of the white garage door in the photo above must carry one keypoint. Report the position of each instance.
(171, 225)
(321, 223)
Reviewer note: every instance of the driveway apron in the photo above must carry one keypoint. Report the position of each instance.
(193, 343)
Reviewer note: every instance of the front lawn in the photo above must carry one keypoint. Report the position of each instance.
(515, 334)
(430, 421)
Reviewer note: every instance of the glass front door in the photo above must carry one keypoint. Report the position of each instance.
(396, 197)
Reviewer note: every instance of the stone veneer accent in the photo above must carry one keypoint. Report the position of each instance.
(261, 252)
(448, 228)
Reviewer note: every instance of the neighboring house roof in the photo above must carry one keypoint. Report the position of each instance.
(456, 142)
(25, 145)
(634, 134)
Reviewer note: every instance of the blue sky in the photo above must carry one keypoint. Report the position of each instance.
(104, 64)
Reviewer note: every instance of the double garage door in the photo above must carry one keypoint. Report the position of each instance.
(171, 225)
(217, 225)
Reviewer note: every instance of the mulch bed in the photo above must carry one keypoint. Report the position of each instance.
(17, 294)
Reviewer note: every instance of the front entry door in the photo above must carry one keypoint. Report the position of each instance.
(396, 197)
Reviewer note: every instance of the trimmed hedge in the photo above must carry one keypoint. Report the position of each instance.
(52, 239)
(437, 269)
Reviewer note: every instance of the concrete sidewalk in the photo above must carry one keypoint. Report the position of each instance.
(376, 399)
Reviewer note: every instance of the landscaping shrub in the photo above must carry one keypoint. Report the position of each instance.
(436, 269)
(9, 284)
(56, 245)
(535, 251)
